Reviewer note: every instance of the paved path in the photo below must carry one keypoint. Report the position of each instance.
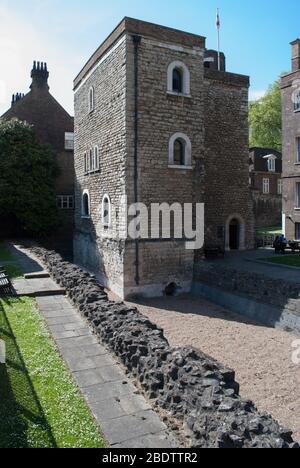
(37, 287)
(125, 418)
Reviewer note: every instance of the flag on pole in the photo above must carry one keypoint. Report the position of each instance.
(218, 19)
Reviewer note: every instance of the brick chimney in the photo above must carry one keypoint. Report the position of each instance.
(39, 75)
(295, 55)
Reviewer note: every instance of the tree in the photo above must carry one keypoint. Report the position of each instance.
(27, 177)
(265, 119)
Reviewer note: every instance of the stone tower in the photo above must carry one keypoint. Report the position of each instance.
(152, 116)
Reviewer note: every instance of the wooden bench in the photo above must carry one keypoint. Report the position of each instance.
(6, 288)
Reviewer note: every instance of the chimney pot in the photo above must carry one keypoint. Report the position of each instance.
(295, 55)
(39, 75)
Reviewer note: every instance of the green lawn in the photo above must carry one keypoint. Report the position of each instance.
(40, 406)
(5, 255)
(13, 271)
(288, 260)
(276, 231)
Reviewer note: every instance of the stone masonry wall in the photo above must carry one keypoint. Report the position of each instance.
(258, 287)
(161, 115)
(96, 247)
(226, 156)
(196, 391)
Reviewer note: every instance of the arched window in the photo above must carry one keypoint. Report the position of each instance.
(179, 79)
(180, 151)
(85, 205)
(91, 99)
(96, 158)
(106, 211)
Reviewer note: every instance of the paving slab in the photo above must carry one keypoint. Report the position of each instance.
(122, 413)
(37, 287)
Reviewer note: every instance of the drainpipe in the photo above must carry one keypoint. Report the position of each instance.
(136, 42)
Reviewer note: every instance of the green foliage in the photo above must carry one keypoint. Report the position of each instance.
(40, 405)
(265, 118)
(27, 176)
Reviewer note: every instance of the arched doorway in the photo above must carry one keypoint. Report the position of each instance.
(234, 234)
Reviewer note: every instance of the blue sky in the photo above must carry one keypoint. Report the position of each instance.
(255, 36)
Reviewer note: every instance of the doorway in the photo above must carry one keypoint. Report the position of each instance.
(234, 235)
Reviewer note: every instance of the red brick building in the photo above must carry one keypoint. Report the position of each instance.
(265, 167)
(53, 126)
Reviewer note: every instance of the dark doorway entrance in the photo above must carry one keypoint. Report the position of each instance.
(234, 235)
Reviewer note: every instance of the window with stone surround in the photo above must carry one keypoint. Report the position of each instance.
(266, 186)
(180, 152)
(86, 166)
(178, 79)
(280, 187)
(85, 205)
(91, 99)
(298, 195)
(297, 101)
(298, 150)
(65, 202)
(106, 211)
(96, 159)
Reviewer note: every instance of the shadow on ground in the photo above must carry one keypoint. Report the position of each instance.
(20, 410)
(188, 304)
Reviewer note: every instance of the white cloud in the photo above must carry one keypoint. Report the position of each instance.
(255, 95)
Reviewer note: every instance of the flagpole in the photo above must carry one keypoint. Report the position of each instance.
(219, 44)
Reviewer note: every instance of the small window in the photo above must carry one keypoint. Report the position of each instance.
(91, 161)
(96, 159)
(106, 211)
(297, 231)
(86, 168)
(271, 165)
(91, 99)
(69, 141)
(298, 150)
(297, 101)
(266, 186)
(280, 187)
(65, 202)
(85, 209)
(180, 151)
(177, 81)
(298, 195)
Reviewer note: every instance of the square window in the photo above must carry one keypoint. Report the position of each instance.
(69, 141)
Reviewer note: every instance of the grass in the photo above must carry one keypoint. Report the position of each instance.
(40, 406)
(5, 255)
(288, 260)
(276, 231)
(13, 271)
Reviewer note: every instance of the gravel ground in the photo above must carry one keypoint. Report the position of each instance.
(261, 356)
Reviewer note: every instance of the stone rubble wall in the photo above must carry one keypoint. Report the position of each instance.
(276, 292)
(200, 393)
